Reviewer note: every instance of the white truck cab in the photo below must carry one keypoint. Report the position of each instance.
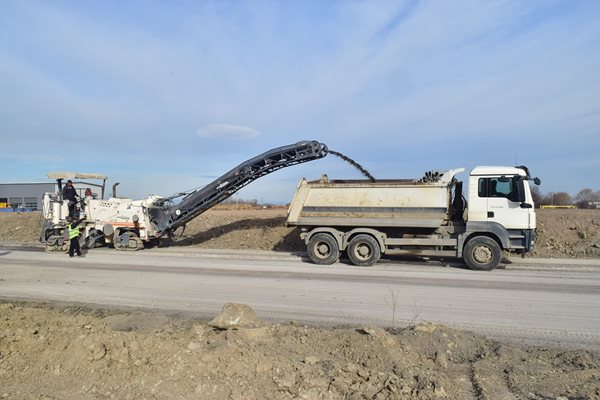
(501, 195)
(500, 202)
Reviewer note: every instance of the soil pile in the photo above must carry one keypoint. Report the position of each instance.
(561, 233)
(242, 229)
(21, 227)
(72, 353)
(568, 234)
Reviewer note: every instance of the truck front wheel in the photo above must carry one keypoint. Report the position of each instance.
(323, 249)
(482, 253)
(364, 251)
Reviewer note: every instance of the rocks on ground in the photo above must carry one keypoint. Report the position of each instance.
(236, 316)
(72, 353)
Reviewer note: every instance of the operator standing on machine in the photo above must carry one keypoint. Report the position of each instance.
(70, 194)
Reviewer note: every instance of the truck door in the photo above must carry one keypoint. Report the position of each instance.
(503, 206)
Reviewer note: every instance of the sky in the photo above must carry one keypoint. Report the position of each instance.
(165, 96)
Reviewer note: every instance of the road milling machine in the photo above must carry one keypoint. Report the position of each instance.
(128, 224)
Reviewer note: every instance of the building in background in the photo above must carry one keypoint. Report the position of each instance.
(24, 196)
(29, 196)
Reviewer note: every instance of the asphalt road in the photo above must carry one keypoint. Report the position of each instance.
(552, 304)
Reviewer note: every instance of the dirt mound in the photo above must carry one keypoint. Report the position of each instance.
(568, 233)
(75, 354)
(20, 227)
(561, 233)
(242, 229)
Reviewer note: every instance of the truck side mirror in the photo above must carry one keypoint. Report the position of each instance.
(537, 181)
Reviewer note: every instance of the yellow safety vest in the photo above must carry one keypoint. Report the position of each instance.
(73, 232)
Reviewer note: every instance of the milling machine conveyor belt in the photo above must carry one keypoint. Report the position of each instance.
(168, 216)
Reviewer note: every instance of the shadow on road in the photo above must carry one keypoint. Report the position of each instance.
(413, 260)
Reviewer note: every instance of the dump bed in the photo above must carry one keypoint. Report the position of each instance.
(383, 203)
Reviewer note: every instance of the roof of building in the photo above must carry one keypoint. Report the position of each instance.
(27, 183)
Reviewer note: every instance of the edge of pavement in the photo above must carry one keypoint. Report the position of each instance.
(175, 251)
(514, 262)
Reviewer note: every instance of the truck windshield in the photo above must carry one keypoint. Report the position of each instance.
(499, 187)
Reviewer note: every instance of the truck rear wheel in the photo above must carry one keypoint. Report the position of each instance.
(482, 253)
(364, 250)
(323, 249)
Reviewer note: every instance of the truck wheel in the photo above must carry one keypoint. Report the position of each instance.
(482, 253)
(364, 250)
(323, 249)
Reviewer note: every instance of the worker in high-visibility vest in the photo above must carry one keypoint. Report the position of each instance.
(73, 231)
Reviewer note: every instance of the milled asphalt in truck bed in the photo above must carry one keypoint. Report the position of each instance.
(540, 302)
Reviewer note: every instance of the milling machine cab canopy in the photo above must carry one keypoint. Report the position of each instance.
(60, 176)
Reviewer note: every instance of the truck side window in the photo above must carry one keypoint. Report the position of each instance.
(498, 187)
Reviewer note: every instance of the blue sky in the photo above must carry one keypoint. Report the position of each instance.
(166, 96)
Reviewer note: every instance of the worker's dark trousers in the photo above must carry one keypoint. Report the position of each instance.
(71, 209)
(74, 247)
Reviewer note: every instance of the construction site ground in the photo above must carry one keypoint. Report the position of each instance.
(54, 351)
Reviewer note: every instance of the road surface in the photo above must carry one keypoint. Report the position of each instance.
(557, 305)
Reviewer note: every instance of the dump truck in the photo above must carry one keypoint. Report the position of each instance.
(424, 217)
(128, 224)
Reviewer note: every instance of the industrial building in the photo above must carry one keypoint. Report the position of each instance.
(29, 196)
(24, 196)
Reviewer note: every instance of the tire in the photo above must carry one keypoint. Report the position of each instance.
(364, 251)
(323, 249)
(482, 253)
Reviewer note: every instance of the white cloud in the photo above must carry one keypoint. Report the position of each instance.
(227, 131)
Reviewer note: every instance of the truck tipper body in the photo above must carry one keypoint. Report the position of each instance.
(426, 217)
